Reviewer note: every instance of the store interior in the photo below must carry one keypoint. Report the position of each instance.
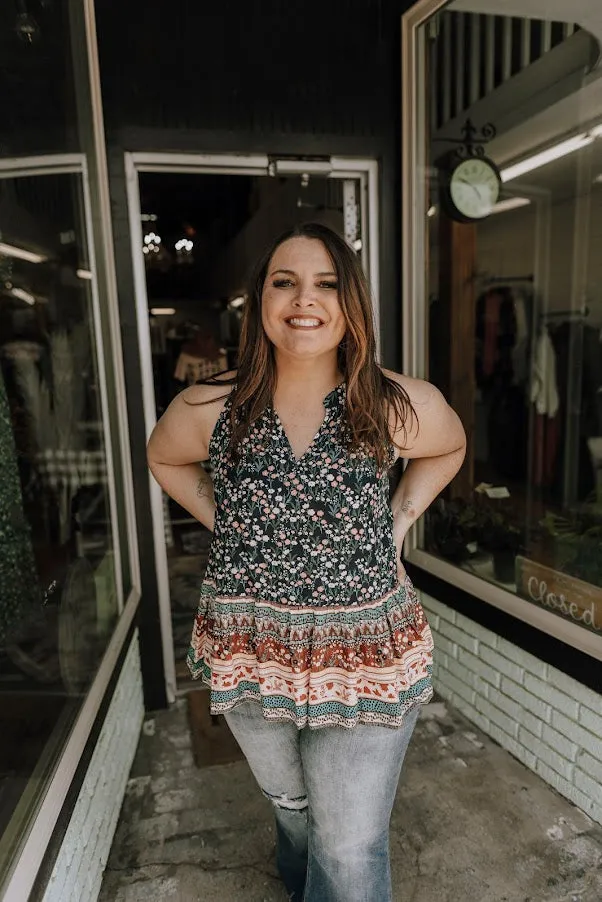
(531, 290)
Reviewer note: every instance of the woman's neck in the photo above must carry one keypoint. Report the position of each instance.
(309, 379)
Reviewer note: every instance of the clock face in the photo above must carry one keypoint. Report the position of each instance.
(474, 188)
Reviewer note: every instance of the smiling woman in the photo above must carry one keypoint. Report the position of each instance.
(300, 296)
(307, 622)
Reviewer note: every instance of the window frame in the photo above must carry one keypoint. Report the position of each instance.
(414, 116)
(39, 818)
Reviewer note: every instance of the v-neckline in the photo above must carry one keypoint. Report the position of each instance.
(326, 403)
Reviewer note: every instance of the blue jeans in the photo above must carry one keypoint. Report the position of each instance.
(332, 791)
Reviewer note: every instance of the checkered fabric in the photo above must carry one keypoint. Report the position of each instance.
(60, 468)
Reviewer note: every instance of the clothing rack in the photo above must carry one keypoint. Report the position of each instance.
(573, 314)
(505, 280)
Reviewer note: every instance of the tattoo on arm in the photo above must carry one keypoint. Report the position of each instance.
(204, 488)
(406, 507)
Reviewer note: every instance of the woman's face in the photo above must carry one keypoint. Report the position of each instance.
(300, 308)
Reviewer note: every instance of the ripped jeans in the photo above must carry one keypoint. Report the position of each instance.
(332, 791)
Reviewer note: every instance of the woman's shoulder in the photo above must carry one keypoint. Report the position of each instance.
(210, 393)
(419, 391)
(200, 406)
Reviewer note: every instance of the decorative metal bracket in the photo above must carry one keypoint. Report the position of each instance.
(472, 142)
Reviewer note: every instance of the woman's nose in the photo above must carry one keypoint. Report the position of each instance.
(305, 296)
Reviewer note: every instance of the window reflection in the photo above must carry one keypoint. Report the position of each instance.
(515, 311)
(58, 598)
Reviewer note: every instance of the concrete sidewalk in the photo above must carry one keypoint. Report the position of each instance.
(470, 824)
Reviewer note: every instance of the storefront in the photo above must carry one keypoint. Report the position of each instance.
(501, 309)
(502, 216)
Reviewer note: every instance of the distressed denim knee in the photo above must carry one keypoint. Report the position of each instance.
(291, 814)
(283, 801)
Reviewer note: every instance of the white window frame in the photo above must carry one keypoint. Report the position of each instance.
(415, 335)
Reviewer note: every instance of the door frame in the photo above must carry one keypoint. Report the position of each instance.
(362, 168)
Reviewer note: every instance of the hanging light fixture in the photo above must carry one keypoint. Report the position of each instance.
(26, 27)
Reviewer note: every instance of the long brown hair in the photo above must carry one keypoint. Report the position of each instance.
(370, 394)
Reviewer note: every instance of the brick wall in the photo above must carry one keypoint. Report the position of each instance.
(547, 720)
(77, 874)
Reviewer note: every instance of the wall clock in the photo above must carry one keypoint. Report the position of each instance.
(470, 188)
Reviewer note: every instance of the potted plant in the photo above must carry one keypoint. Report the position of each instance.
(504, 540)
(576, 540)
(451, 528)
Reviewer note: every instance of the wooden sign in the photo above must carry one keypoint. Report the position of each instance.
(566, 595)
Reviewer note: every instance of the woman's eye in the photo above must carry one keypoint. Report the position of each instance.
(282, 283)
(331, 285)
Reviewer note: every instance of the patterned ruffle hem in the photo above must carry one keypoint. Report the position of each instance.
(316, 666)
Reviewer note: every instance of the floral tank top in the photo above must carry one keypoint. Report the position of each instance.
(300, 607)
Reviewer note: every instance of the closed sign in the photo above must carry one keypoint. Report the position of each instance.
(566, 595)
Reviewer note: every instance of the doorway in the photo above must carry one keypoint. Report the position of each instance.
(198, 223)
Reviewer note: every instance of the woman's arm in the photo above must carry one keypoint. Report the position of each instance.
(178, 442)
(190, 486)
(435, 445)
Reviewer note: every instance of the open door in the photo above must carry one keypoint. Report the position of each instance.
(198, 223)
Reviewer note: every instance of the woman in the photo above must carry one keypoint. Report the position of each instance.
(309, 632)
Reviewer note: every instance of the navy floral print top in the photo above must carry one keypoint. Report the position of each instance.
(301, 607)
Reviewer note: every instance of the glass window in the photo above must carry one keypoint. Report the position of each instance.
(59, 597)
(508, 145)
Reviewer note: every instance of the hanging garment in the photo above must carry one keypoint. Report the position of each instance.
(193, 369)
(546, 439)
(493, 303)
(543, 392)
(543, 388)
(507, 430)
(18, 581)
(520, 351)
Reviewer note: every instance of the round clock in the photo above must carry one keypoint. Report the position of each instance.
(472, 188)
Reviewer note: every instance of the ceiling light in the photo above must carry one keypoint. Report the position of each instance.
(237, 302)
(23, 295)
(163, 311)
(83, 273)
(510, 203)
(552, 153)
(21, 254)
(431, 211)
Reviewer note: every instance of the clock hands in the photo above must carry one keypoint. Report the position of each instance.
(470, 185)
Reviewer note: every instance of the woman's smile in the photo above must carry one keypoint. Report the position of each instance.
(304, 322)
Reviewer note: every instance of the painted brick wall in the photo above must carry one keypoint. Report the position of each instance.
(77, 874)
(547, 720)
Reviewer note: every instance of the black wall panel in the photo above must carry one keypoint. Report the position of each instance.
(310, 67)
